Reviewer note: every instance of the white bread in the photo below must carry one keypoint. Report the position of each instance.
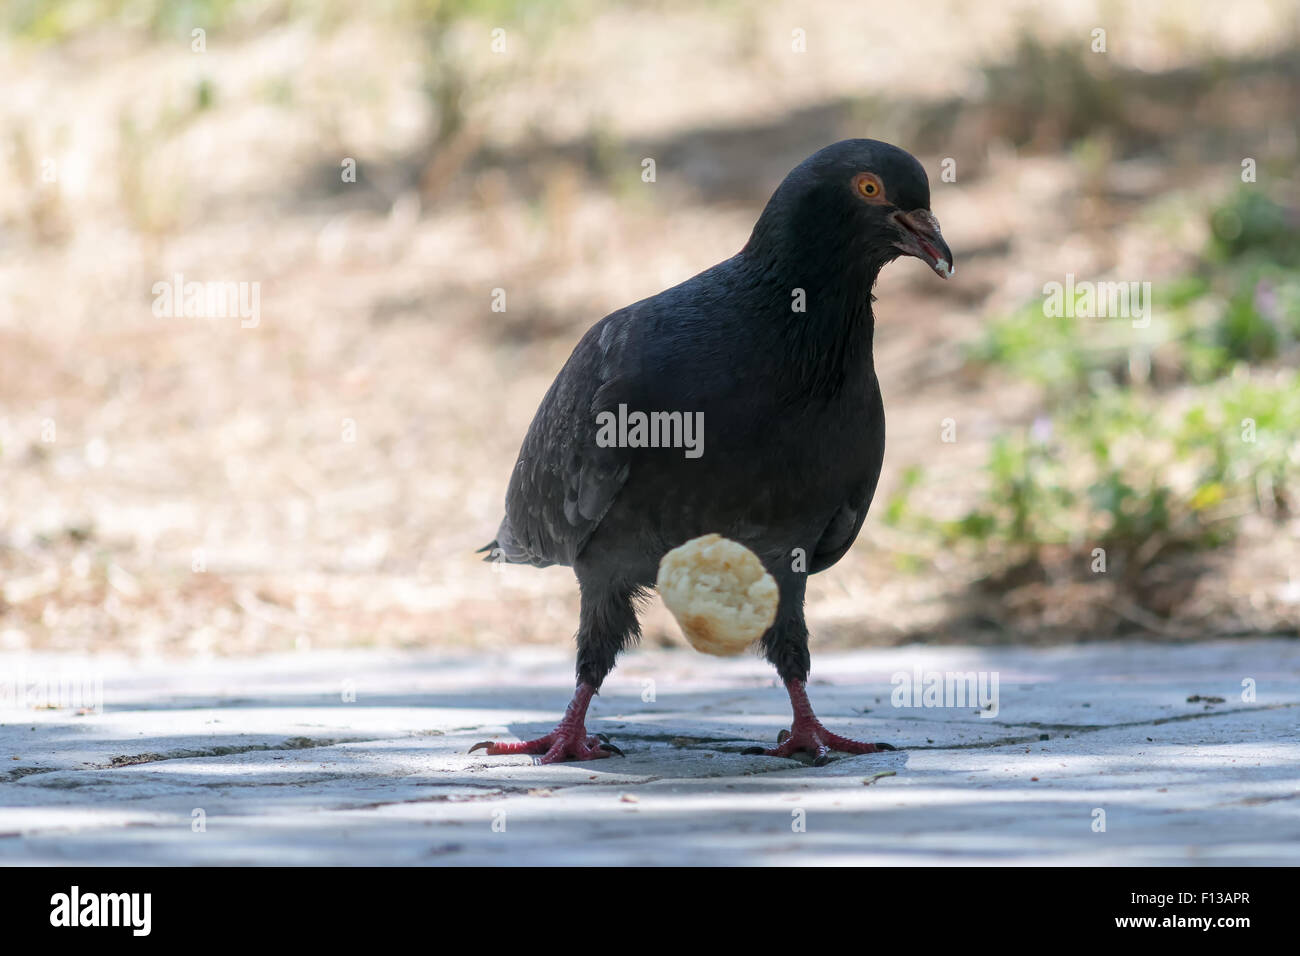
(719, 592)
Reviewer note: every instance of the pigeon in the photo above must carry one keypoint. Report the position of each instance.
(743, 402)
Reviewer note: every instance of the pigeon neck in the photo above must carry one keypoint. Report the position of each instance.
(830, 346)
(824, 324)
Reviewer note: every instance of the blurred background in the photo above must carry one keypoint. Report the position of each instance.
(195, 486)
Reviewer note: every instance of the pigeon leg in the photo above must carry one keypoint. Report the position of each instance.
(568, 741)
(807, 733)
(607, 622)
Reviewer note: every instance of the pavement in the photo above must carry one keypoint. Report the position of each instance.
(1107, 754)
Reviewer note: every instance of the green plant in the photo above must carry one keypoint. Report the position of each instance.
(1241, 303)
(1129, 474)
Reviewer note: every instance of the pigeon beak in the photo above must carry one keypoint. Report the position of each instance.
(919, 236)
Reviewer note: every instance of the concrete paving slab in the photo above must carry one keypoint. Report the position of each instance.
(1090, 754)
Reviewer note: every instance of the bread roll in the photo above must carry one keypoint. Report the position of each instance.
(719, 592)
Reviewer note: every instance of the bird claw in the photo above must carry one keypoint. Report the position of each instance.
(810, 736)
(562, 743)
(807, 734)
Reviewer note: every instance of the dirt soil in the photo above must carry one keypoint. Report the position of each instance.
(189, 485)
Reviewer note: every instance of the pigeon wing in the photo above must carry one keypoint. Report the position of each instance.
(564, 482)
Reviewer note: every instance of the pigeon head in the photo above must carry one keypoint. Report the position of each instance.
(849, 209)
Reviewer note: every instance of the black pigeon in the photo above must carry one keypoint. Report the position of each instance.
(773, 349)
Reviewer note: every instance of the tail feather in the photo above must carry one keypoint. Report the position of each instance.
(504, 548)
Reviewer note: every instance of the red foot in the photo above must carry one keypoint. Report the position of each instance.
(560, 744)
(568, 741)
(806, 733)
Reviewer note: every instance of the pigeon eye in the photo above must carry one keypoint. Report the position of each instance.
(869, 186)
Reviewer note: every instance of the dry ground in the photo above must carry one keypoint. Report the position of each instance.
(135, 449)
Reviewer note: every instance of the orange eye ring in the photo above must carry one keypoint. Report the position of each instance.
(869, 187)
